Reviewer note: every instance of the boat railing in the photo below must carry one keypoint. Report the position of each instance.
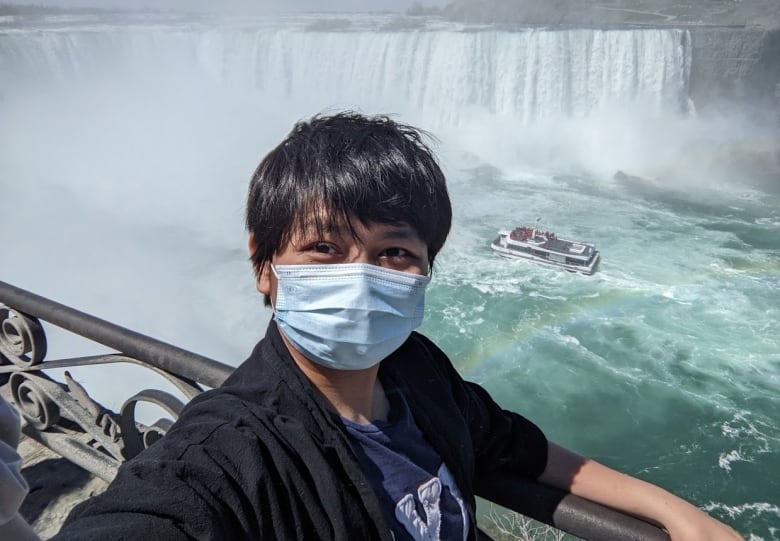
(62, 416)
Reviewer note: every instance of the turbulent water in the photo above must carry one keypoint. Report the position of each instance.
(126, 148)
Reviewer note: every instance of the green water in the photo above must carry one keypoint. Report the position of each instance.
(665, 364)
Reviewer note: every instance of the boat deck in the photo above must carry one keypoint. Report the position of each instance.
(559, 245)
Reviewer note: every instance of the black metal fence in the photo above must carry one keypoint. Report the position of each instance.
(63, 417)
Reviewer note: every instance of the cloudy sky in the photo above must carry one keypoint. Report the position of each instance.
(236, 5)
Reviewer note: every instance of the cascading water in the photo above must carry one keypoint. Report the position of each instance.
(527, 74)
(126, 149)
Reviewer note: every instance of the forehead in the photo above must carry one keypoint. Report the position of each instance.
(323, 222)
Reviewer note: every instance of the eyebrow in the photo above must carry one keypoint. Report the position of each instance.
(402, 232)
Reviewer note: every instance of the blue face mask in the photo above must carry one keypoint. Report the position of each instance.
(347, 316)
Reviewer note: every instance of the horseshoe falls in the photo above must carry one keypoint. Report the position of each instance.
(444, 74)
(127, 144)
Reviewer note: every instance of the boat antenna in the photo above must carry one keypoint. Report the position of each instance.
(533, 234)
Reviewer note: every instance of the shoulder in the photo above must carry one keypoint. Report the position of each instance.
(419, 348)
(426, 374)
(218, 417)
(421, 357)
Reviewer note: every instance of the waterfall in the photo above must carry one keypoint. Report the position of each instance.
(525, 75)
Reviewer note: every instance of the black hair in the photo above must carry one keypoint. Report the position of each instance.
(369, 167)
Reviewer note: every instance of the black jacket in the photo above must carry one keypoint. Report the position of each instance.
(262, 458)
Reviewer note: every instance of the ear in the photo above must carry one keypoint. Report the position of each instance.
(263, 280)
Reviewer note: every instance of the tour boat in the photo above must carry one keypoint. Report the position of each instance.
(545, 247)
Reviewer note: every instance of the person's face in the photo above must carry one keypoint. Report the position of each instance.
(393, 246)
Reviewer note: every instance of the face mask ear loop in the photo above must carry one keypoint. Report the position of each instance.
(276, 274)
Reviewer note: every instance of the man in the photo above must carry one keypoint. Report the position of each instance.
(344, 423)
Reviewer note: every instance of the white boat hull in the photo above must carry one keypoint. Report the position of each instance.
(587, 269)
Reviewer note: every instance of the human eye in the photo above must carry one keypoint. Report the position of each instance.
(403, 259)
(396, 252)
(322, 247)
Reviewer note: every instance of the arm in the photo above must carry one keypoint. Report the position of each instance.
(596, 482)
(185, 486)
(155, 496)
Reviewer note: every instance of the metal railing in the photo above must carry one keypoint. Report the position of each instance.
(63, 417)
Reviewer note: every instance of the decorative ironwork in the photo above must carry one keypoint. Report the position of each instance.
(22, 340)
(63, 417)
(136, 438)
(61, 414)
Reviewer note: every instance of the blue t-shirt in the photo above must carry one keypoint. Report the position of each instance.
(415, 488)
